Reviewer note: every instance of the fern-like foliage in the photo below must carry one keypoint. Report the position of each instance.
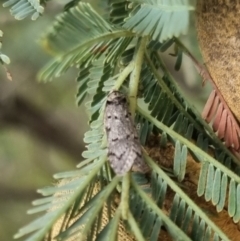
(167, 14)
(86, 37)
(21, 9)
(4, 59)
(121, 52)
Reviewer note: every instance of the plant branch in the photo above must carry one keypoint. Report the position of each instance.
(184, 197)
(159, 212)
(180, 107)
(135, 75)
(195, 149)
(134, 226)
(123, 75)
(125, 196)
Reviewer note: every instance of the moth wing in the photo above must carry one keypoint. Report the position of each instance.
(119, 128)
(124, 154)
(118, 122)
(139, 164)
(121, 156)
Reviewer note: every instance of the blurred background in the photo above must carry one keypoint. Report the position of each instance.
(41, 127)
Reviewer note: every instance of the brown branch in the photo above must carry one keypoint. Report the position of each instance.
(19, 112)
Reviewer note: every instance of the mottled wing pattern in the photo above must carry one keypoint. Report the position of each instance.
(124, 149)
(122, 160)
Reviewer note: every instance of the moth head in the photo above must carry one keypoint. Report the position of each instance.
(116, 97)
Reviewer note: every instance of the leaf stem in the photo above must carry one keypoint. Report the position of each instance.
(184, 197)
(123, 75)
(169, 223)
(182, 108)
(48, 72)
(125, 196)
(195, 149)
(165, 87)
(134, 227)
(101, 200)
(42, 231)
(135, 75)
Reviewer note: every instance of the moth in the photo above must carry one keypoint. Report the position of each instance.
(124, 148)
